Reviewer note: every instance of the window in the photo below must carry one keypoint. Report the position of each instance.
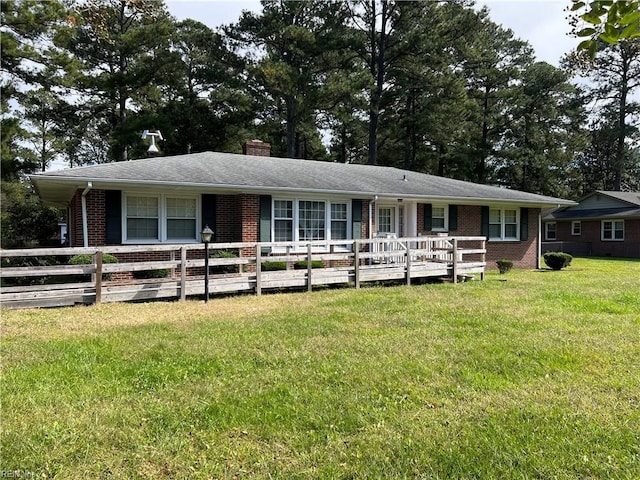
(386, 221)
(311, 221)
(550, 230)
(181, 218)
(503, 224)
(613, 230)
(338, 221)
(283, 220)
(160, 218)
(438, 218)
(142, 218)
(576, 228)
(314, 220)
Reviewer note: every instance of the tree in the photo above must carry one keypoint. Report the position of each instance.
(291, 43)
(117, 51)
(607, 20)
(545, 134)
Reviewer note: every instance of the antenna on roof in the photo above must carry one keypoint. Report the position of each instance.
(153, 149)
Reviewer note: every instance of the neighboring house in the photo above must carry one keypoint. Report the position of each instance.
(601, 224)
(254, 197)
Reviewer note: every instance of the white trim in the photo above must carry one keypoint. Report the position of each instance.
(162, 218)
(296, 218)
(573, 231)
(502, 237)
(445, 207)
(613, 230)
(546, 231)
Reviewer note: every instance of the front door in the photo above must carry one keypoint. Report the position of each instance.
(390, 220)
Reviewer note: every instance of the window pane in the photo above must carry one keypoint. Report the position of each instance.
(311, 220)
(385, 220)
(181, 207)
(495, 231)
(494, 216)
(142, 228)
(338, 211)
(619, 230)
(181, 229)
(511, 231)
(338, 230)
(283, 230)
(510, 216)
(141, 207)
(283, 209)
(437, 223)
(607, 230)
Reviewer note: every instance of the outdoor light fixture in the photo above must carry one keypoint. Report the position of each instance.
(207, 234)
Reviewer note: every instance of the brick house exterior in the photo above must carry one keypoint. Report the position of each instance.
(249, 198)
(603, 224)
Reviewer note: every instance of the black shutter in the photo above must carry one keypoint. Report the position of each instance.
(356, 219)
(524, 224)
(484, 225)
(209, 213)
(113, 214)
(265, 218)
(453, 217)
(428, 212)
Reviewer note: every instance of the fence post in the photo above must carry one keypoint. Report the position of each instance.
(309, 267)
(356, 262)
(455, 261)
(97, 258)
(258, 270)
(183, 273)
(483, 259)
(408, 264)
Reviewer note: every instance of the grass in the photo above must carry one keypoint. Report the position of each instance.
(535, 377)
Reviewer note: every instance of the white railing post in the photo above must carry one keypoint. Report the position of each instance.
(258, 269)
(309, 267)
(97, 259)
(454, 269)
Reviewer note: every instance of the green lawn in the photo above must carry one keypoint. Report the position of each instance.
(537, 376)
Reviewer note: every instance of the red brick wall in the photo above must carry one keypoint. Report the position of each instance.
(228, 218)
(589, 242)
(95, 215)
(523, 254)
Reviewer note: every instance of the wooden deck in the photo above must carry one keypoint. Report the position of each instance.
(349, 263)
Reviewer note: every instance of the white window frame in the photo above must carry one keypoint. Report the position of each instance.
(296, 218)
(503, 237)
(547, 231)
(613, 230)
(398, 219)
(445, 217)
(162, 219)
(576, 232)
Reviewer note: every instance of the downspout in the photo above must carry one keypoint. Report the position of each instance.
(85, 220)
(539, 246)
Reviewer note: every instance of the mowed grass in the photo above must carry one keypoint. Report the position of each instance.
(534, 377)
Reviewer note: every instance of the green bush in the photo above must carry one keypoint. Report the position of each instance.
(28, 262)
(87, 259)
(273, 266)
(504, 266)
(302, 264)
(557, 260)
(222, 269)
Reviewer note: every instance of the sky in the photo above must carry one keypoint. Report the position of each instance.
(542, 23)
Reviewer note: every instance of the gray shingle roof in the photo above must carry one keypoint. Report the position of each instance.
(245, 173)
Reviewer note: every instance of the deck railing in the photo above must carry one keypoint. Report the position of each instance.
(43, 277)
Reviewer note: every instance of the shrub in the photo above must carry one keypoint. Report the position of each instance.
(87, 259)
(302, 264)
(273, 266)
(557, 260)
(221, 269)
(504, 266)
(28, 262)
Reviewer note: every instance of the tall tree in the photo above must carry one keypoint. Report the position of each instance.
(291, 42)
(546, 133)
(118, 50)
(614, 76)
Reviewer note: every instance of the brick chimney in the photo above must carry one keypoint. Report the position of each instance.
(257, 147)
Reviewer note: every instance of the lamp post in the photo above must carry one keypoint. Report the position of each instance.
(207, 233)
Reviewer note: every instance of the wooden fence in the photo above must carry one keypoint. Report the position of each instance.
(44, 277)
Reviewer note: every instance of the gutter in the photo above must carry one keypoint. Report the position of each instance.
(85, 219)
